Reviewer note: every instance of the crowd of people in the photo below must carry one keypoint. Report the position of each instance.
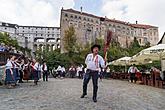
(78, 72)
(19, 68)
(136, 75)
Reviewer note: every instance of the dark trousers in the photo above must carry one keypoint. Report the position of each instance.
(87, 77)
(45, 76)
(80, 74)
(21, 76)
(132, 77)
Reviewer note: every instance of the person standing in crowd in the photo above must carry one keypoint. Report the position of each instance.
(35, 68)
(21, 69)
(39, 71)
(45, 71)
(108, 73)
(16, 69)
(59, 71)
(132, 71)
(80, 71)
(93, 61)
(63, 71)
(10, 80)
(72, 72)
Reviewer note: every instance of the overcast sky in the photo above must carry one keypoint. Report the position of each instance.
(47, 12)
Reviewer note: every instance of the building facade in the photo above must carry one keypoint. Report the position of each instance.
(88, 27)
(33, 37)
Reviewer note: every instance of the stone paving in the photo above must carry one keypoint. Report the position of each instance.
(57, 94)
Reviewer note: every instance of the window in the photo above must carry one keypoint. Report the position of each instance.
(92, 20)
(66, 15)
(140, 41)
(84, 19)
(71, 16)
(118, 26)
(79, 17)
(75, 17)
(88, 19)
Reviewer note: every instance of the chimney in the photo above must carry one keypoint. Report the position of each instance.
(81, 9)
(136, 22)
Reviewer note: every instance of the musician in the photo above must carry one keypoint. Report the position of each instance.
(93, 61)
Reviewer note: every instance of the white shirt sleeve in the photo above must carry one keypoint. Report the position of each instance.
(101, 61)
(87, 59)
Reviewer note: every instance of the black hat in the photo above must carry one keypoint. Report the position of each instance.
(95, 45)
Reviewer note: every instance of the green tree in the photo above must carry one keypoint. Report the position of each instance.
(70, 40)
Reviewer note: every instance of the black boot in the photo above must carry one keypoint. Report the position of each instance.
(83, 95)
(94, 99)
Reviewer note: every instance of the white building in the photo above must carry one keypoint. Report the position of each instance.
(33, 37)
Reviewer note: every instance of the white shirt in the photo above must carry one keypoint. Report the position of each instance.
(9, 65)
(36, 66)
(59, 68)
(62, 69)
(79, 69)
(93, 63)
(45, 68)
(132, 69)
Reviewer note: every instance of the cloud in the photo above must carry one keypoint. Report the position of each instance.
(144, 11)
(33, 12)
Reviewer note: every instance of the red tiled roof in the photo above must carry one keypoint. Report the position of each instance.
(112, 20)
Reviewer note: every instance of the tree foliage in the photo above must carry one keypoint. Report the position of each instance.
(70, 40)
(5, 38)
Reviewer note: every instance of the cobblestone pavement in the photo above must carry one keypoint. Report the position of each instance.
(65, 94)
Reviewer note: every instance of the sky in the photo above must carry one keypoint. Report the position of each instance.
(47, 12)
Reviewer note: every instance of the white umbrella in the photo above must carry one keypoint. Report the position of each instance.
(153, 53)
(121, 61)
(126, 61)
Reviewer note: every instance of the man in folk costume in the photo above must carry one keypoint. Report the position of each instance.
(93, 61)
(16, 69)
(45, 71)
(132, 71)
